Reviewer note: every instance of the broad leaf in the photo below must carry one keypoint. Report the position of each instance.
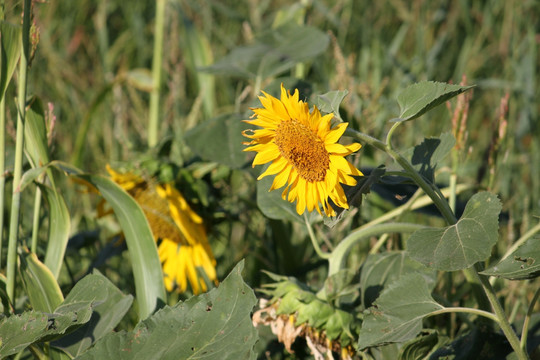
(382, 269)
(220, 140)
(330, 101)
(522, 264)
(421, 97)
(463, 244)
(142, 248)
(274, 52)
(59, 226)
(422, 346)
(10, 52)
(110, 307)
(216, 325)
(39, 283)
(426, 156)
(272, 204)
(397, 314)
(19, 331)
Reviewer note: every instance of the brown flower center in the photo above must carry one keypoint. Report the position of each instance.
(299, 145)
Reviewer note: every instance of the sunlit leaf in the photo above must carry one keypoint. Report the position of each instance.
(397, 314)
(215, 325)
(426, 156)
(140, 79)
(35, 134)
(10, 52)
(142, 248)
(220, 140)
(110, 306)
(524, 263)
(382, 269)
(421, 97)
(463, 244)
(39, 283)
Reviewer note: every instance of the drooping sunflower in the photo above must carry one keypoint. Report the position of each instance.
(183, 247)
(303, 152)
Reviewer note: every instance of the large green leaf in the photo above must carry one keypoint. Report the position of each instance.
(142, 248)
(427, 155)
(110, 306)
(397, 314)
(35, 134)
(19, 331)
(524, 263)
(10, 52)
(382, 269)
(422, 346)
(59, 226)
(419, 98)
(274, 52)
(272, 204)
(216, 325)
(39, 283)
(220, 140)
(463, 244)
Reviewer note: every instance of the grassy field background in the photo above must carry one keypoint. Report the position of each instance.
(92, 66)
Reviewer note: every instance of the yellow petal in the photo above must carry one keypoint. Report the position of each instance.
(274, 168)
(334, 135)
(266, 155)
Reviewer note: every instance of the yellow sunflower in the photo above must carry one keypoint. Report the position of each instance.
(303, 152)
(183, 247)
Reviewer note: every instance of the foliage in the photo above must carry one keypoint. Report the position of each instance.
(436, 257)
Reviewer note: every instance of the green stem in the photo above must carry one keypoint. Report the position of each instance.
(483, 313)
(157, 60)
(337, 258)
(318, 250)
(19, 147)
(525, 330)
(2, 169)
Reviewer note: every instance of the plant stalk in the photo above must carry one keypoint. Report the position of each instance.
(157, 65)
(19, 147)
(2, 169)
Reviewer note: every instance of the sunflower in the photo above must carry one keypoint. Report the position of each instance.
(183, 248)
(303, 152)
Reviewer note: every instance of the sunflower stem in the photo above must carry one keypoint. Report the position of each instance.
(337, 259)
(318, 250)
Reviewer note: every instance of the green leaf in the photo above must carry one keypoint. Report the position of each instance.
(382, 269)
(110, 306)
(397, 314)
(19, 331)
(422, 346)
(39, 283)
(426, 156)
(274, 52)
(522, 264)
(421, 97)
(35, 134)
(463, 244)
(272, 204)
(216, 325)
(220, 140)
(59, 226)
(140, 79)
(330, 101)
(10, 52)
(142, 248)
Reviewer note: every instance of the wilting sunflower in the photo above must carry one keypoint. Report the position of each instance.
(183, 247)
(302, 151)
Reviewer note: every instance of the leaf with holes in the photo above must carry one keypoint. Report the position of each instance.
(522, 264)
(397, 314)
(463, 244)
